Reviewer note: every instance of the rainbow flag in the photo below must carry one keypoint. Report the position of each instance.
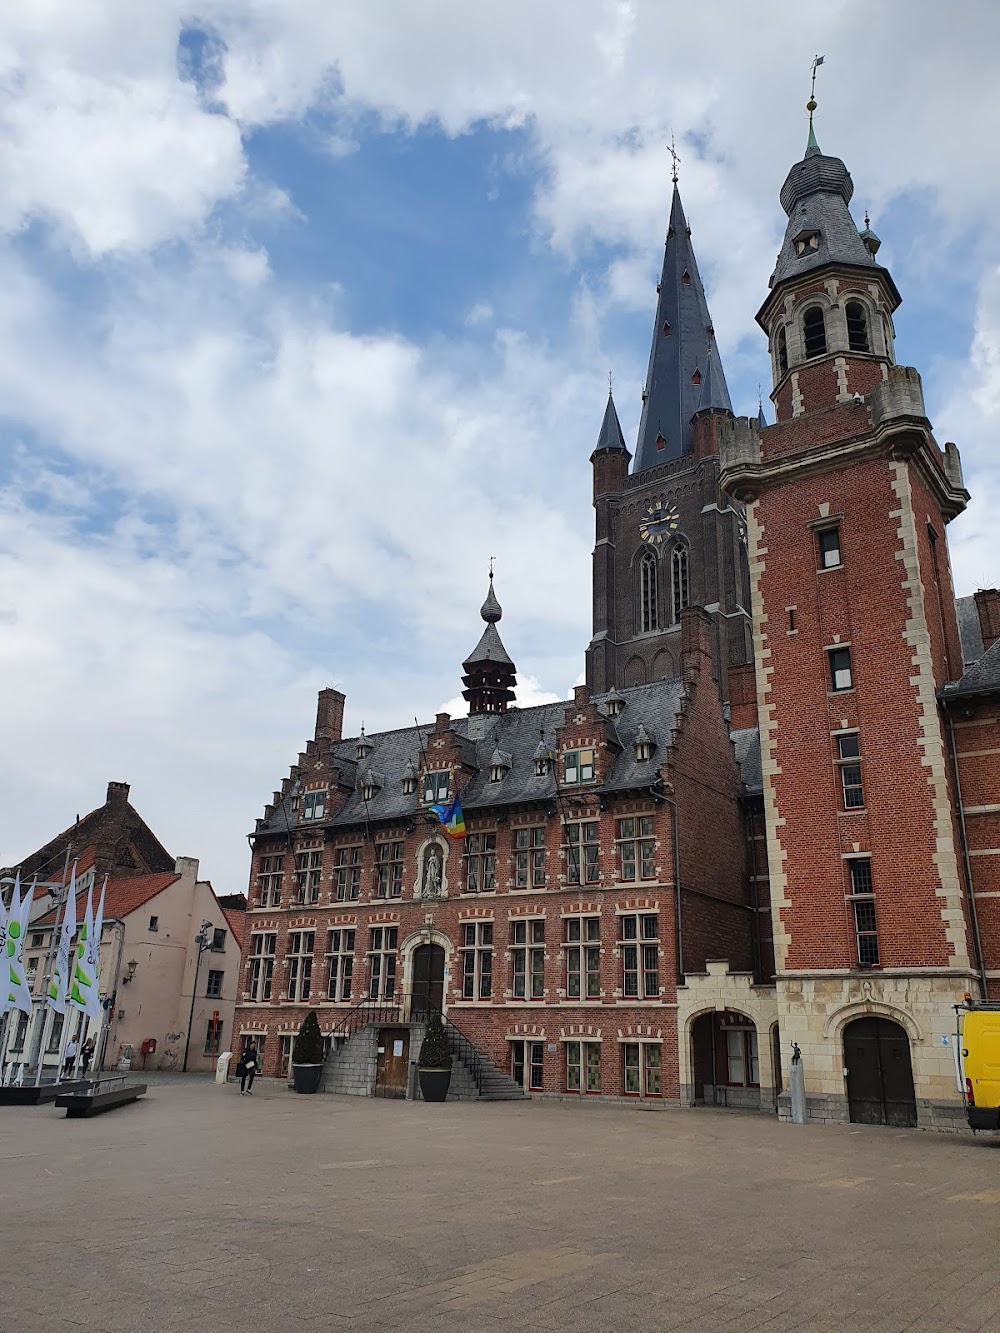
(452, 818)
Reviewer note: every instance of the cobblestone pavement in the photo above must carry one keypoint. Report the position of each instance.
(200, 1209)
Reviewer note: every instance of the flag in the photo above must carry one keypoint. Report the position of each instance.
(452, 818)
(58, 985)
(818, 61)
(94, 1008)
(15, 992)
(83, 980)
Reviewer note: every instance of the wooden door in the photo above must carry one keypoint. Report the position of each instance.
(879, 1074)
(393, 1062)
(428, 980)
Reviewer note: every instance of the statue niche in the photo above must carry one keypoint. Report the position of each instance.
(431, 877)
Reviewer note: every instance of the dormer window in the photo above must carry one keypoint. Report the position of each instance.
(578, 766)
(807, 242)
(541, 759)
(314, 805)
(696, 377)
(814, 332)
(499, 765)
(409, 780)
(643, 746)
(364, 746)
(614, 703)
(371, 785)
(436, 787)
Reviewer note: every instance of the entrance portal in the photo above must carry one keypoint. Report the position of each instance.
(879, 1073)
(725, 1060)
(428, 980)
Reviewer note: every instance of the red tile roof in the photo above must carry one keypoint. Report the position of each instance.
(123, 896)
(237, 925)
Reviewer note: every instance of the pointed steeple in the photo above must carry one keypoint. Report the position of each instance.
(683, 354)
(714, 393)
(610, 436)
(489, 678)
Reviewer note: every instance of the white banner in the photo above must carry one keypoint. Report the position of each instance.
(59, 983)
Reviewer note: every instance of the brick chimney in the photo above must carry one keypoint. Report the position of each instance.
(696, 640)
(581, 695)
(330, 715)
(117, 793)
(988, 606)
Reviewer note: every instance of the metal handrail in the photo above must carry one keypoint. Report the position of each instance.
(370, 1010)
(466, 1052)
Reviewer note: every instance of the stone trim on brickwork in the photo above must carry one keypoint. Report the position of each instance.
(840, 1018)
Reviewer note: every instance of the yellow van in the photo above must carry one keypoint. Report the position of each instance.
(981, 1065)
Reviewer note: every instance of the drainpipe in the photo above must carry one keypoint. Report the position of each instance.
(966, 859)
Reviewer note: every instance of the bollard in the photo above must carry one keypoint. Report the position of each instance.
(222, 1066)
(797, 1087)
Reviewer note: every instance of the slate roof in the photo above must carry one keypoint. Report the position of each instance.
(815, 196)
(517, 734)
(747, 746)
(970, 629)
(489, 649)
(672, 396)
(983, 677)
(610, 436)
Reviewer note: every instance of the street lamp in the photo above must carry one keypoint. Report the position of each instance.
(204, 941)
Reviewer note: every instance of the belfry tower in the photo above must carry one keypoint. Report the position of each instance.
(489, 678)
(847, 498)
(667, 536)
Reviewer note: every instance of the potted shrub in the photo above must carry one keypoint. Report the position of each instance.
(307, 1055)
(434, 1062)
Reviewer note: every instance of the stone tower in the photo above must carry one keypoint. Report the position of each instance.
(847, 496)
(666, 535)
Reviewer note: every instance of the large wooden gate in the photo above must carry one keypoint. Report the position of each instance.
(879, 1073)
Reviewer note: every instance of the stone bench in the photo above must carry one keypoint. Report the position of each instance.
(98, 1097)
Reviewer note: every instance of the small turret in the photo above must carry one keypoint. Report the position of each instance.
(489, 678)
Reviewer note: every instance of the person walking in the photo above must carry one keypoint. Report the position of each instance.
(247, 1070)
(69, 1057)
(87, 1054)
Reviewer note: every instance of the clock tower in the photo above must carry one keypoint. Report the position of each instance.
(667, 535)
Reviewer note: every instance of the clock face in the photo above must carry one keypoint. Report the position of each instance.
(660, 521)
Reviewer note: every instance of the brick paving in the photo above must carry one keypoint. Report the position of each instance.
(199, 1209)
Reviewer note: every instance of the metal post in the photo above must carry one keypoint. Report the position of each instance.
(202, 939)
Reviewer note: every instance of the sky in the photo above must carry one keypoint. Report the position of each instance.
(309, 309)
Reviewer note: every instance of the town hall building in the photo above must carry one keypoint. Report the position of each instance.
(770, 819)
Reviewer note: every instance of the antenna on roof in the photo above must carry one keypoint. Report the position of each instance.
(673, 153)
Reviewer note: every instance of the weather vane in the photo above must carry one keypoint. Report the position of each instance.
(492, 561)
(811, 104)
(676, 159)
(609, 383)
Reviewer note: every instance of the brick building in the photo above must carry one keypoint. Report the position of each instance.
(772, 814)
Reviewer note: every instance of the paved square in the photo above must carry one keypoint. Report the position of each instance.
(198, 1209)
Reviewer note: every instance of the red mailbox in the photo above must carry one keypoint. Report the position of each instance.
(148, 1047)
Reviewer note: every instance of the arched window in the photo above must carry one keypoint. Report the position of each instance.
(814, 331)
(678, 582)
(857, 327)
(648, 606)
(782, 351)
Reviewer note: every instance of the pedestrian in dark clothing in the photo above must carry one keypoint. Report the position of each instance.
(87, 1053)
(247, 1070)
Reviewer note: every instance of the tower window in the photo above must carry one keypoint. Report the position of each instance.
(782, 351)
(696, 377)
(686, 278)
(863, 906)
(840, 669)
(857, 327)
(679, 582)
(666, 329)
(807, 242)
(648, 606)
(829, 548)
(814, 331)
(849, 760)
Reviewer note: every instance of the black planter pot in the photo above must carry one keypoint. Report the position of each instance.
(307, 1077)
(434, 1084)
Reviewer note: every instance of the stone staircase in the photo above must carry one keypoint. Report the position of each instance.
(349, 1069)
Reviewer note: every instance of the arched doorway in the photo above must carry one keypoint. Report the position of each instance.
(879, 1073)
(428, 980)
(725, 1060)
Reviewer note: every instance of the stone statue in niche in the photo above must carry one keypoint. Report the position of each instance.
(430, 884)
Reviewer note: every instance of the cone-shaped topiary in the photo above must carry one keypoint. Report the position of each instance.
(435, 1052)
(307, 1049)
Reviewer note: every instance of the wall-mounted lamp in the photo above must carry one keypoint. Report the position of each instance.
(132, 964)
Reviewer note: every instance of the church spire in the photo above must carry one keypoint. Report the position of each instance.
(683, 353)
(489, 678)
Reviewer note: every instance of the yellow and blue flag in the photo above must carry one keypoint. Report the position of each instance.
(452, 818)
